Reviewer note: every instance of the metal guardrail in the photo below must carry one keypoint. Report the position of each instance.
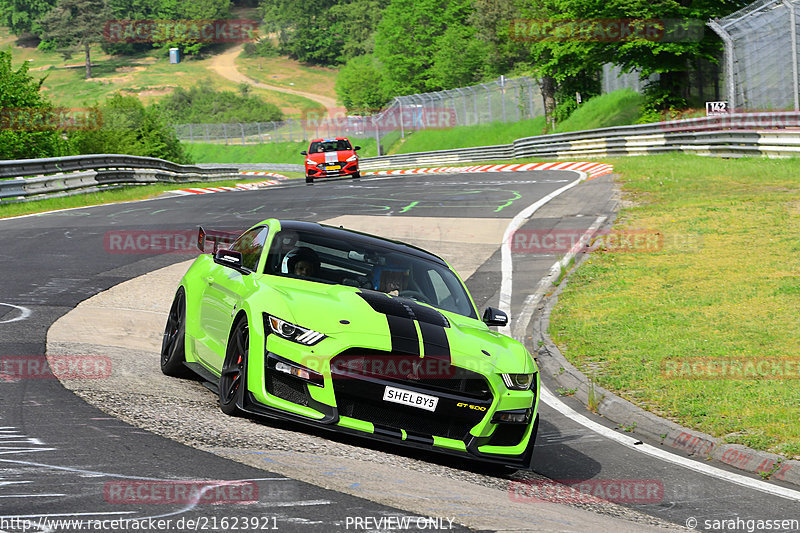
(30, 179)
(736, 135)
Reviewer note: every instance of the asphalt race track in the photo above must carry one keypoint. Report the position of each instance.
(58, 453)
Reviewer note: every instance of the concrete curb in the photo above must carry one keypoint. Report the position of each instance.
(640, 422)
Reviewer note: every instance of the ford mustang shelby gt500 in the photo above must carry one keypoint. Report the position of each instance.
(355, 333)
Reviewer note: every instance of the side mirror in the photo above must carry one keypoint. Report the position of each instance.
(357, 148)
(304, 152)
(229, 258)
(494, 317)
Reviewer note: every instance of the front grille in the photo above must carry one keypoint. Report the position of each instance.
(287, 388)
(434, 374)
(360, 377)
(400, 417)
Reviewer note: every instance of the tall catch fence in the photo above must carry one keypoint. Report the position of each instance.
(761, 55)
(504, 100)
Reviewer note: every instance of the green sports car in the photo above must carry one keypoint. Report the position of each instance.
(355, 333)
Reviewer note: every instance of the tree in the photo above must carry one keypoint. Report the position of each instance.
(359, 86)
(406, 38)
(26, 126)
(130, 128)
(23, 15)
(324, 32)
(577, 48)
(77, 24)
(460, 58)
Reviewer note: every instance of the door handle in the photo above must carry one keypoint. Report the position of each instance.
(209, 279)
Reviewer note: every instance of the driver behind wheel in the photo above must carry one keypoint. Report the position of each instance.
(393, 281)
(303, 262)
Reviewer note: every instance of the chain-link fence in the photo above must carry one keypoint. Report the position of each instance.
(761, 62)
(504, 100)
(614, 79)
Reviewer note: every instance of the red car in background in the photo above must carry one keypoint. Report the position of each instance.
(329, 158)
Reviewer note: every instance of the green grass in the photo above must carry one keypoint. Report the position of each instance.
(116, 195)
(725, 285)
(148, 76)
(468, 136)
(262, 153)
(613, 109)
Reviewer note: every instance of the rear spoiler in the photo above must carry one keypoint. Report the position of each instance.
(224, 237)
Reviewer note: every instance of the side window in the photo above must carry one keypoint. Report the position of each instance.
(439, 287)
(250, 243)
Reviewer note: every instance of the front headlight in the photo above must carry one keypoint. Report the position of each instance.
(352, 157)
(293, 332)
(518, 381)
(310, 162)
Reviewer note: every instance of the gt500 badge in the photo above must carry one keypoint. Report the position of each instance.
(469, 405)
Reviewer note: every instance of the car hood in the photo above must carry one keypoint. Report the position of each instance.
(330, 157)
(360, 318)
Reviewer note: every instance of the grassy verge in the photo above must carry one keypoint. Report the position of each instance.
(116, 195)
(467, 136)
(613, 109)
(262, 153)
(725, 285)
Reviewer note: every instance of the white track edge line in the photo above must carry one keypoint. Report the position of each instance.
(629, 442)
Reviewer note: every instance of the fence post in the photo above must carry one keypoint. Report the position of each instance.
(377, 135)
(793, 26)
(729, 61)
(225, 132)
(241, 126)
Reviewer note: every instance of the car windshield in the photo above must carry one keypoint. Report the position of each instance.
(335, 145)
(307, 255)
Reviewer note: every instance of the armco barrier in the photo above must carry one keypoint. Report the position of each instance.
(735, 135)
(61, 176)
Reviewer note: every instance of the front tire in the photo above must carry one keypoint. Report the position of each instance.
(233, 379)
(309, 179)
(173, 344)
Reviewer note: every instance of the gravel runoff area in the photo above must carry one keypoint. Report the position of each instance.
(125, 324)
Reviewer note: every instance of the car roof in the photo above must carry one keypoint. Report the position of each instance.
(364, 239)
(329, 139)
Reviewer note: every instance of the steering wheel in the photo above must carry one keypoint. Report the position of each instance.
(414, 295)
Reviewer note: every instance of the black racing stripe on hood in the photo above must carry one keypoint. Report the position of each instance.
(434, 341)
(403, 307)
(404, 335)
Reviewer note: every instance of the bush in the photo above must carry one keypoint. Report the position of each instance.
(202, 104)
(130, 128)
(261, 48)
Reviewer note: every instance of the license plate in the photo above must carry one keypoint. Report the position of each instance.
(412, 399)
(334, 167)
